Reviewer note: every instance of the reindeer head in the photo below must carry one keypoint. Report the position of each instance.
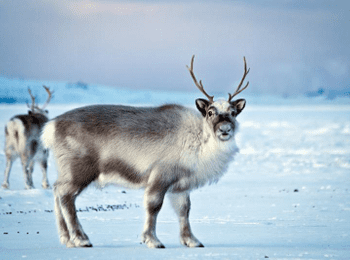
(221, 114)
(35, 109)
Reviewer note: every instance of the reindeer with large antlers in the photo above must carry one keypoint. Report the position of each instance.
(22, 139)
(167, 150)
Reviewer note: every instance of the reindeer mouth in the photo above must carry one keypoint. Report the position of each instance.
(224, 136)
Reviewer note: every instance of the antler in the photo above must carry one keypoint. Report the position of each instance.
(49, 97)
(239, 90)
(33, 100)
(200, 85)
(33, 106)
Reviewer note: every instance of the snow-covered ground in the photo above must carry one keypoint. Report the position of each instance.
(286, 196)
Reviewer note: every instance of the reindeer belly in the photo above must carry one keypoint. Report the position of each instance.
(116, 178)
(121, 172)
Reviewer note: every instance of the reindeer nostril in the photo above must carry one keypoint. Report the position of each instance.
(225, 129)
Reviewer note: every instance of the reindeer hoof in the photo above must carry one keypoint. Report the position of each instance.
(46, 186)
(192, 245)
(152, 245)
(71, 244)
(80, 242)
(191, 242)
(152, 242)
(5, 186)
(83, 244)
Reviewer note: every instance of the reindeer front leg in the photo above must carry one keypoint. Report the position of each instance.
(181, 204)
(153, 201)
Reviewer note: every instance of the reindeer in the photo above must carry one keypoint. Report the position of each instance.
(166, 150)
(22, 139)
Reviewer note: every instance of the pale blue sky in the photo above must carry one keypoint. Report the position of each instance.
(290, 46)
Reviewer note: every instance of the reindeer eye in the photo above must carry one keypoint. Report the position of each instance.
(233, 113)
(210, 113)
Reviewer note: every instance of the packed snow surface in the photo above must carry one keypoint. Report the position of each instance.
(285, 196)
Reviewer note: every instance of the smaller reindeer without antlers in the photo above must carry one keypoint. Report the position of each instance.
(22, 139)
(168, 150)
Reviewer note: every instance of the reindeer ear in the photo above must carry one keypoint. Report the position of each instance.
(239, 104)
(202, 106)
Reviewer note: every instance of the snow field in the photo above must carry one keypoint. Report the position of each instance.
(286, 196)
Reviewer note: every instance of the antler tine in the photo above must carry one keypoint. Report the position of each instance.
(33, 100)
(239, 90)
(49, 97)
(199, 85)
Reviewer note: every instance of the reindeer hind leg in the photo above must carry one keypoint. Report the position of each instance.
(61, 223)
(70, 230)
(9, 161)
(43, 165)
(27, 166)
(76, 174)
